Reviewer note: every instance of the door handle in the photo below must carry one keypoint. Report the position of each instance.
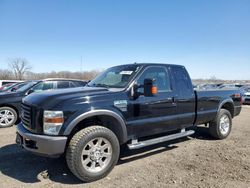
(172, 99)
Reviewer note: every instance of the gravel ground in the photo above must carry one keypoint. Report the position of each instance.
(197, 161)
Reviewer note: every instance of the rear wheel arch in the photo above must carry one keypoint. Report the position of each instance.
(227, 105)
(105, 118)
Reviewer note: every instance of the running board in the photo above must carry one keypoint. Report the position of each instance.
(137, 145)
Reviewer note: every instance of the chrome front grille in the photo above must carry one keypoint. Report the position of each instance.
(26, 115)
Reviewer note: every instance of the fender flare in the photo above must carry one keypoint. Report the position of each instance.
(224, 102)
(92, 113)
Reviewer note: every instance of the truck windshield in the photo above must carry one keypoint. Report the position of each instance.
(115, 77)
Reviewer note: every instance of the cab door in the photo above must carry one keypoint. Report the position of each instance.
(184, 96)
(156, 114)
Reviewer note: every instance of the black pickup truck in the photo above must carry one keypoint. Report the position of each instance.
(136, 104)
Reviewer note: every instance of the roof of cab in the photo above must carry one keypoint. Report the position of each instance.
(153, 64)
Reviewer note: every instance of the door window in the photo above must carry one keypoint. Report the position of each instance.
(43, 86)
(159, 75)
(182, 81)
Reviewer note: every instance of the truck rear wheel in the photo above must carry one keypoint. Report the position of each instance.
(221, 127)
(92, 153)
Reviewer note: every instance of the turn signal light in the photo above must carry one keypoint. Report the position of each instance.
(54, 120)
(154, 90)
(237, 95)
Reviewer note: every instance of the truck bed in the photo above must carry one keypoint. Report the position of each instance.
(209, 101)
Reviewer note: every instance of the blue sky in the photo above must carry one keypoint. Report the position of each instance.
(211, 38)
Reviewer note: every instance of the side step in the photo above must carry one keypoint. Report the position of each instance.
(137, 145)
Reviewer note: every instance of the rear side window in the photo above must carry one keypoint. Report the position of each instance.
(182, 80)
(160, 75)
(62, 84)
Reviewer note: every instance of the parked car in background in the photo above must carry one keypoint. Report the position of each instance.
(6, 87)
(10, 102)
(4, 82)
(12, 87)
(210, 86)
(230, 86)
(246, 96)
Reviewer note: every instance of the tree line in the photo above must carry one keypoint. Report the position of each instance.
(20, 69)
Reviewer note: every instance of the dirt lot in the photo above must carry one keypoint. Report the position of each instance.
(197, 161)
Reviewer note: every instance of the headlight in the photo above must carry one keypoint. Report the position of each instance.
(52, 122)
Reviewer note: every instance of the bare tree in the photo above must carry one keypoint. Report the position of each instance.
(6, 74)
(86, 75)
(19, 66)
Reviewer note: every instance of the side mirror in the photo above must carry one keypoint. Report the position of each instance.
(13, 89)
(149, 88)
(30, 91)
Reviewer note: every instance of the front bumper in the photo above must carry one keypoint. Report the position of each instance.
(51, 146)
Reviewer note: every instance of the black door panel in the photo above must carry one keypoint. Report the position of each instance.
(184, 96)
(157, 114)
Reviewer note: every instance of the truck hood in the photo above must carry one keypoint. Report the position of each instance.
(55, 97)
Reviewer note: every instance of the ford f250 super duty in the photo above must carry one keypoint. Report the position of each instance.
(136, 104)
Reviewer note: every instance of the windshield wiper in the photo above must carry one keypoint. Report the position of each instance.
(100, 85)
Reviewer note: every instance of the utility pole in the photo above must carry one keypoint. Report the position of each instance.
(81, 68)
(81, 65)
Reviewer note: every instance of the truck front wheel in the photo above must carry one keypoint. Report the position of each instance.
(221, 127)
(92, 153)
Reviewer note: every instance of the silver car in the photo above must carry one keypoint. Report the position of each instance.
(246, 96)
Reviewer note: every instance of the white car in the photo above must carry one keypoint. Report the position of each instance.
(247, 98)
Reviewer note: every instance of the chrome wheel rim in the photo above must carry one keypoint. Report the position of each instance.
(224, 124)
(7, 118)
(96, 155)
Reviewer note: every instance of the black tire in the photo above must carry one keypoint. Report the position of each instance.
(214, 126)
(80, 141)
(12, 111)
